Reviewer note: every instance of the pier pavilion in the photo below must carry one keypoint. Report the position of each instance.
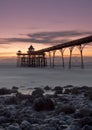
(38, 58)
(31, 58)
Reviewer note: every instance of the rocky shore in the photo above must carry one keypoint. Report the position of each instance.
(68, 108)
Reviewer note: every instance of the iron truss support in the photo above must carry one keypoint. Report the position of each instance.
(62, 54)
(81, 47)
(50, 58)
(70, 58)
(53, 63)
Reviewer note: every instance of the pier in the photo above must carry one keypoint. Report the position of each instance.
(31, 58)
(38, 58)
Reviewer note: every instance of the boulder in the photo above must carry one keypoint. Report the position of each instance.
(4, 91)
(14, 127)
(25, 125)
(67, 91)
(43, 103)
(58, 90)
(87, 127)
(37, 92)
(85, 121)
(49, 128)
(67, 109)
(47, 88)
(88, 94)
(84, 112)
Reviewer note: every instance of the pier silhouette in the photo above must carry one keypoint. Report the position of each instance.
(38, 58)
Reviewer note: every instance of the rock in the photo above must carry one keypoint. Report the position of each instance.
(25, 125)
(84, 88)
(37, 93)
(75, 90)
(87, 127)
(67, 109)
(11, 100)
(49, 128)
(47, 88)
(20, 97)
(80, 90)
(43, 103)
(58, 90)
(3, 119)
(73, 127)
(1, 128)
(83, 112)
(67, 91)
(14, 127)
(15, 88)
(88, 94)
(4, 91)
(85, 121)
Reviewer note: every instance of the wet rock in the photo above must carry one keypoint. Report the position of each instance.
(83, 112)
(49, 128)
(25, 125)
(10, 100)
(80, 90)
(47, 88)
(20, 97)
(75, 90)
(87, 127)
(75, 125)
(1, 128)
(67, 109)
(67, 91)
(37, 93)
(13, 127)
(15, 88)
(88, 94)
(4, 91)
(68, 86)
(58, 90)
(85, 121)
(3, 119)
(43, 103)
(4, 112)
(84, 88)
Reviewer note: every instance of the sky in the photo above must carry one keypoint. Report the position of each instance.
(42, 23)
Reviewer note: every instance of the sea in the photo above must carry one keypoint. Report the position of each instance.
(27, 78)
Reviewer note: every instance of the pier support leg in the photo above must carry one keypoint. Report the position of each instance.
(50, 58)
(81, 47)
(53, 64)
(71, 49)
(62, 54)
(82, 62)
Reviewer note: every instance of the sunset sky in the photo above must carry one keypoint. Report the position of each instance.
(42, 23)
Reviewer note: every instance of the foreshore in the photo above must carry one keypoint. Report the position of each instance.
(60, 108)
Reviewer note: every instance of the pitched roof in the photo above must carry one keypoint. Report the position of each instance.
(31, 47)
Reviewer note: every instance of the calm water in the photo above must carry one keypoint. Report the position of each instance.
(27, 78)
